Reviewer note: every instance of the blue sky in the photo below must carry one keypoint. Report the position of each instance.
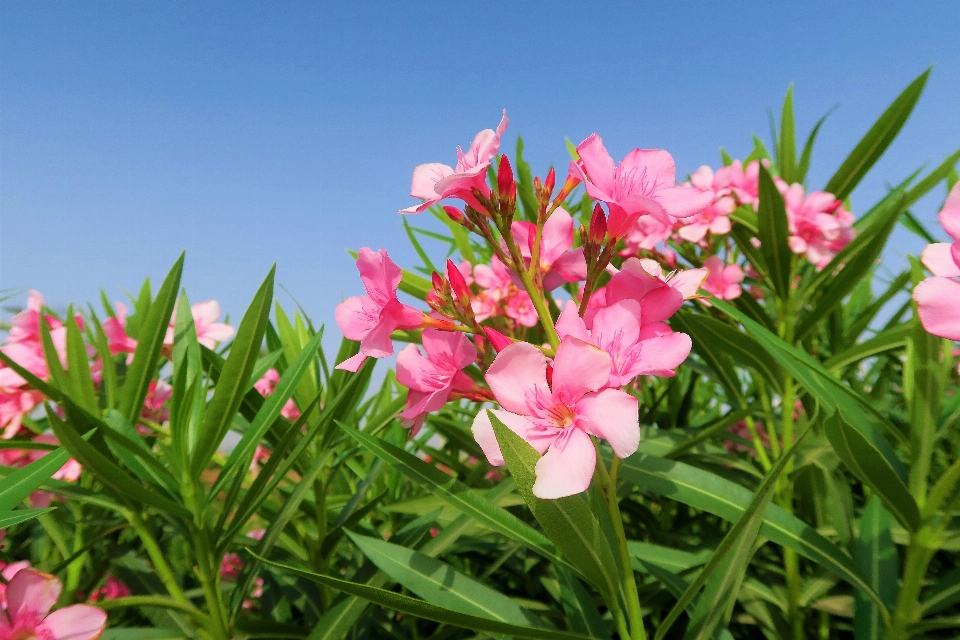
(248, 133)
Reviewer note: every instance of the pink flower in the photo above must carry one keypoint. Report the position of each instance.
(115, 328)
(267, 384)
(260, 454)
(14, 405)
(155, 407)
(111, 590)
(819, 224)
(723, 281)
(520, 307)
(647, 233)
(558, 418)
(25, 326)
(205, 316)
(559, 261)
(371, 319)
(644, 183)
(8, 571)
(230, 567)
(30, 596)
(943, 258)
(634, 350)
(742, 183)
(431, 380)
(713, 219)
(433, 182)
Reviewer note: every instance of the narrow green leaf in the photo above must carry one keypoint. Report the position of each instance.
(22, 482)
(869, 462)
(876, 556)
(804, 166)
(945, 593)
(427, 611)
(568, 522)
(78, 366)
(456, 494)
(888, 340)
(579, 607)
(11, 518)
(232, 384)
(787, 147)
(152, 330)
(773, 231)
(876, 140)
(440, 584)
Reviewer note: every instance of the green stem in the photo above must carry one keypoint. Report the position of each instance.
(154, 601)
(608, 488)
(536, 296)
(209, 576)
(920, 552)
(164, 572)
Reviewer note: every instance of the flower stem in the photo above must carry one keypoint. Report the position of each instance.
(608, 488)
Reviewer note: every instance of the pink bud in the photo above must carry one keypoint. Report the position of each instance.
(455, 214)
(598, 225)
(497, 339)
(569, 185)
(437, 280)
(457, 283)
(551, 181)
(506, 186)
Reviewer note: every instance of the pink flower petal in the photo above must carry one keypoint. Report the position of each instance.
(31, 594)
(567, 467)
(950, 214)
(571, 324)
(659, 356)
(425, 176)
(76, 622)
(579, 367)
(380, 275)
(938, 300)
(352, 364)
(688, 282)
(598, 165)
(660, 304)
(484, 435)
(518, 370)
(613, 415)
(682, 202)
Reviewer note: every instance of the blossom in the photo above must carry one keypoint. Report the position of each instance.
(743, 183)
(155, 407)
(558, 417)
(943, 258)
(230, 567)
(430, 380)
(30, 596)
(111, 590)
(500, 295)
(559, 261)
(115, 329)
(371, 319)
(8, 571)
(938, 298)
(634, 350)
(647, 233)
(265, 387)
(205, 316)
(724, 280)
(432, 182)
(819, 224)
(714, 218)
(643, 183)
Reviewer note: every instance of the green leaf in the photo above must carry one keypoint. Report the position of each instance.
(440, 584)
(525, 192)
(568, 522)
(870, 463)
(876, 141)
(876, 556)
(711, 493)
(427, 611)
(848, 268)
(22, 482)
(239, 460)
(945, 593)
(152, 330)
(787, 147)
(804, 165)
(414, 285)
(729, 561)
(773, 231)
(579, 607)
(232, 383)
(719, 361)
(455, 493)
(78, 367)
(887, 340)
(11, 518)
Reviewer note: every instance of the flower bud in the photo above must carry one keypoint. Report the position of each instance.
(457, 283)
(437, 280)
(569, 185)
(455, 214)
(506, 186)
(598, 225)
(551, 181)
(497, 339)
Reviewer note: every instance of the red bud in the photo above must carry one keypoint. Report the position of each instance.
(569, 184)
(497, 339)
(551, 180)
(437, 281)
(457, 283)
(506, 186)
(455, 214)
(598, 225)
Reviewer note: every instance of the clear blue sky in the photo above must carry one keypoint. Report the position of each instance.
(248, 133)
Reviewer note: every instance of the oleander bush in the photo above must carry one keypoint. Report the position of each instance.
(630, 405)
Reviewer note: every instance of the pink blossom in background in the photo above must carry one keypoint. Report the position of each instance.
(714, 218)
(370, 319)
(520, 307)
(111, 590)
(14, 405)
(647, 233)
(155, 408)
(116, 330)
(265, 387)
(500, 295)
(742, 183)
(433, 182)
(559, 261)
(633, 350)
(724, 280)
(943, 258)
(230, 567)
(741, 430)
(30, 596)
(558, 418)
(819, 224)
(643, 183)
(205, 316)
(430, 380)
(260, 454)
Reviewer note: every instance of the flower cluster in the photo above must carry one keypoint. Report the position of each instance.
(565, 371)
